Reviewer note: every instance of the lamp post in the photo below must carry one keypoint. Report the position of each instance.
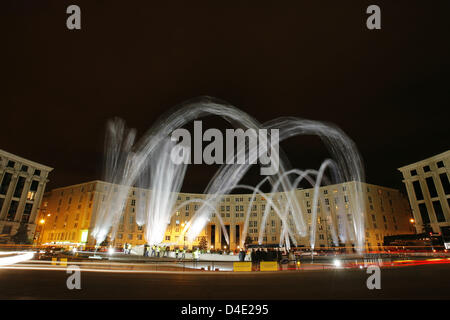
(42, 223)
(412, 221)
(184, 237)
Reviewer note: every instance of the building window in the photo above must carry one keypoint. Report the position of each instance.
(7, 229)
(440, 164)
(19, 187)
(445, 184)
(438, 211)
(431, 187)
(12, 210)
(414, 172)
(5, 183)
(24, 168)
(426, 169)
(424, 213)
(418, 190)
(27, 212)
(33, 188)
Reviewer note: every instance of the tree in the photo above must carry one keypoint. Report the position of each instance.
(203, 244)
(248, 241)
(21, 236)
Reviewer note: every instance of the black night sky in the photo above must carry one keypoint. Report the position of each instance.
(387, 89)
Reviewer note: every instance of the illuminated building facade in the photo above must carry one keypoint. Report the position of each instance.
(72, 216)
(428, 187)
(22, 185)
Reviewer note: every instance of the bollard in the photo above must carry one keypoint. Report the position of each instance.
(242, 266)
(270, 266)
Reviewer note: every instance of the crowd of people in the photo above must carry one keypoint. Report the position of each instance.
(255, 255)
(270, 254)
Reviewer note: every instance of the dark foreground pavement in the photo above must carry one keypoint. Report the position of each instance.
(418, 282)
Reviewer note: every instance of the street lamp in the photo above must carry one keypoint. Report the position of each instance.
(184, 237)
(412, 223)
(41, 222)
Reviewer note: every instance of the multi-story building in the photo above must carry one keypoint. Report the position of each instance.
(22, 185)
(70, 213)
(428, 187)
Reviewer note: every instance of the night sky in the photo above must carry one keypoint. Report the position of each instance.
(387, 89)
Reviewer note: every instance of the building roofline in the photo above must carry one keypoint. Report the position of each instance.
(243, 194)
(78, 184)
(25, 161)
(435, 157)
